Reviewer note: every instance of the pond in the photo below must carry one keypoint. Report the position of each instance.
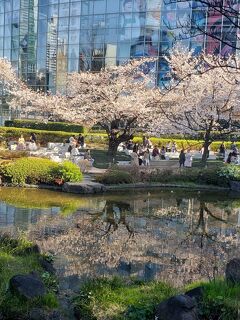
(173, 235)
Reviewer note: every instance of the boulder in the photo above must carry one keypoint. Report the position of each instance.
(180, 307)
(47, 266)
(233, 271)
(28, 286)
(55, 315)
(37, 314)
(85, 187)
(196, 293)
(32, 249)
(40, 314)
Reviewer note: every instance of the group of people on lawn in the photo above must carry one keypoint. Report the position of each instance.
(76, 144)
(32, 144)
(143, 153)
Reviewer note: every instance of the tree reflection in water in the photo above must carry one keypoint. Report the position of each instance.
(179, 238)
(114, 214)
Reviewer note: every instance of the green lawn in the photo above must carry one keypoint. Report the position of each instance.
(101, 159)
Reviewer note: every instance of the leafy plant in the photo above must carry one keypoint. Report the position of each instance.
(114, 176)
(70, 172)
(29, 170)
(38, 170)
(230, 172)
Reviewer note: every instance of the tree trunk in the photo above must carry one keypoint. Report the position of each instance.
(207, 142)
(205, 154)
(112, 148)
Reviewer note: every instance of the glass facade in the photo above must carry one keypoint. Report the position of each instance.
(46, 39)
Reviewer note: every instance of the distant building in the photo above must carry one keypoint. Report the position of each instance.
(46, 39)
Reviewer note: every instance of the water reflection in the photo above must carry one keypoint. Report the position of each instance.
(175, 236)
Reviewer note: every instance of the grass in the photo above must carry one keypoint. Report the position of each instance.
(118, 299)
(221, 300)
(14, 260)
(101, 159)
(127, 299)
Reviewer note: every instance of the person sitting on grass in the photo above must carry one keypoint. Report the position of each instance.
(87, 156)
(33, 137)
(163, 153)
(21, 143)
(155, 153)
(80, 141)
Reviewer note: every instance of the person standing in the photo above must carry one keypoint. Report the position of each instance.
(188, 159)
(146, 158)
(174, 147)
(134, 160)
(163, 153)
(182, 158)
(222, 150)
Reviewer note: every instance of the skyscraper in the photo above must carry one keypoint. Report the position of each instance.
(46, 39)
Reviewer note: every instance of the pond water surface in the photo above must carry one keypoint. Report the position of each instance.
(178, 236)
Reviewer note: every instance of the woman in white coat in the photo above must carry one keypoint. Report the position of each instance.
(188, 159)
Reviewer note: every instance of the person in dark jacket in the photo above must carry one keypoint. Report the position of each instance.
(182, 158)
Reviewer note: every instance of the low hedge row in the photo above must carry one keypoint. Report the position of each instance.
(38, 170)
(43, 137)
(49, 126)
(220, 176)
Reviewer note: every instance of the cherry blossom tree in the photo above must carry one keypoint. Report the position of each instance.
(8, 78)
(117, 98)
(200, 98)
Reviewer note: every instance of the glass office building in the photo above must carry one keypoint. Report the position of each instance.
(47, 39)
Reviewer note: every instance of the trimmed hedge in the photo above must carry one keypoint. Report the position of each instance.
(38, 170)
(43, 137)
(49, 126)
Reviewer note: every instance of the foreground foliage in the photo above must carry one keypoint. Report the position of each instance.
(221, 300)
(16, 257)
(37, 170)
(117, 299)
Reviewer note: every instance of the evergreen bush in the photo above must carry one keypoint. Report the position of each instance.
(37, 170)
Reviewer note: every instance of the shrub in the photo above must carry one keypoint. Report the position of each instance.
(37, 170)
(229, 172)
(49, 126)
(210, 176)
(69, 172)
(29, 170)
(114, 176)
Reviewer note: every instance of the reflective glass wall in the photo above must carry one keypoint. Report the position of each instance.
(46, 39)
